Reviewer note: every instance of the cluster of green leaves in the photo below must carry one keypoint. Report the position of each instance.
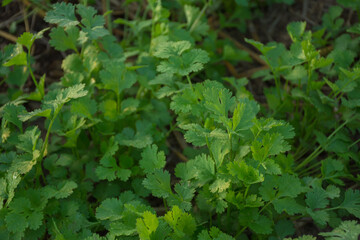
(93, 159)
(315, 89)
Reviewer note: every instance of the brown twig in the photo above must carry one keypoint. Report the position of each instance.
(253, 31)
(180, 139)
(231, 69)
(103, 6)
(39, 11)
(25, 17)
(252, 54)
(250, 72)
(326, 50)
(181, 156)
(8, 36)
(16, 17)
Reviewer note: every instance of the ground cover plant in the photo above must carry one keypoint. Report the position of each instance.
(150, 132)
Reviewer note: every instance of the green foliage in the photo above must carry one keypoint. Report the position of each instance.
(123, 148)
(179, 59)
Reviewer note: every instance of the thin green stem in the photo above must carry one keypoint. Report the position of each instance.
(309, 81)
(330, 209)
(319, 149)
(108, 17)
(165, 204)
(228, 217)
(45, 144)
(195, 23)
(140, 90)
(277, 84)
(240, 232)
(118, 101)
(308, 169)
(354, 143)
(265, 206)
(243, 229)
(172, 127)
(33, 76)
(189, 80)
(2, 81)
(246, 191)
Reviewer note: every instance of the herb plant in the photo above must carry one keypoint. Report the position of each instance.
(136, 142)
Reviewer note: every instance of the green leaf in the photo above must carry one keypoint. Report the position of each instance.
(36, 113)
(316, 198)
(280, 186)
(152, 159)
(84, 107)
(271, 144)
(109, 168)
(284, 228)
(35, 220)
(186, 171)
(251, 218)
(199, 136)
(219, 102)
(17, 57)
(109, 110)
(73, 64)
(219, 185)
(63, 40)
(11, 113)
(16, 222)
(62, 189)
(262, 225)
(115, 77)
(195, 23)
(205, 167)
(332, 192)
(261, 47)
(332, 169)
(296, 30)
(214, 234)
(288, 205)
(304, 237)
(271, 167)
(351, 202)
(28, 140)
(158, 183)
(184, 102)
(231, 53)
(5, 2)
(26, 39)
(219, 147)
(191, 61)
(110, 209)
(94, 24)
(65, 95)
(23, 215)
(244, 172)
(183, 224)
(243, 115)
(321, 217)
(128, 137)
(147, 225)
(62, 14)
(184, 194)
(196, 134)
(348, 230)
(168, 49)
